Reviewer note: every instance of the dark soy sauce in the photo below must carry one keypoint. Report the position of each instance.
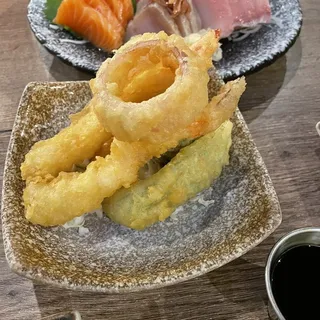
(295, 282)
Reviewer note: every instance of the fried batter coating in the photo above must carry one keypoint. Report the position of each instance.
(53, 203)
(123, 139)
(220, 108)
(192, 170)
(154, 84)
(205, 47)
(70, 146)
(72, 194)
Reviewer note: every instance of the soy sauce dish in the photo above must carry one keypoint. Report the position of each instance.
(292, 276)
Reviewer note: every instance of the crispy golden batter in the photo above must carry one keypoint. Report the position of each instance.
(154, 84)
(161, 116)
(219, 109)
(192, 170)
(70, 146)
(72, 194)
(52, 203)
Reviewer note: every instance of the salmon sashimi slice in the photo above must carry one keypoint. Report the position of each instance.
(116, 7)
(93, 20)
(99, 5)
(104, 7)
(118, 10)
(127, 9)
(122, 9)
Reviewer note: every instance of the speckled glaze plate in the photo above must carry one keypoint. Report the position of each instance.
(255, 52)
(235, 214)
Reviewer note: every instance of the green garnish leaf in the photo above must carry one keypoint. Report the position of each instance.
(72, 32)
(134, 4)
(51, 9)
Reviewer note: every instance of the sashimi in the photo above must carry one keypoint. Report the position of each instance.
(248, 13)
(122, 9)
(117, 8)
(152, 18)
(188, 22)
(215, 14)
(194, 18)
(229, 15)
(183, 24)
(101, 6)
(127, 9)
(93, 20)
(173, 18)
(141, 4)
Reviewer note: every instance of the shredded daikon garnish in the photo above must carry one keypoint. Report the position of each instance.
(54, 27)
(75, 223)
(83, 231)
(194, 37)
(74, 41)
(217, 56)
(79, 222)
(242, 34)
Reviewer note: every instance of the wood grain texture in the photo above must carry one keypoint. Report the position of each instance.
(281, 106)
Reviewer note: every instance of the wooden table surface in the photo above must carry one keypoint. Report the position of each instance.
(281, 106)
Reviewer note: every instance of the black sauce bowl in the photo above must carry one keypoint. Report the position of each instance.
(300, 237)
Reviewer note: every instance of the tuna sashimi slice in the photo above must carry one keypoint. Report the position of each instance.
(152, 18)
(194, 18)
(249, 13)
(228, 15)
(183, 24)
(155, 16)
(188, 22)
(215, 14)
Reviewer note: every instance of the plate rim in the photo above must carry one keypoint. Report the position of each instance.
(201, 268)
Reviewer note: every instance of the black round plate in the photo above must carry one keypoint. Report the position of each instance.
(254, 52)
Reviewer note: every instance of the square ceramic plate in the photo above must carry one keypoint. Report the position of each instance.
(236, 213)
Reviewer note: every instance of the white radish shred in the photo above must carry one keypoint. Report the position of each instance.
(83, 231)
(217, 56)
(206, 203)
(275, 19)
(74, 41)
(242, 34)
(75, 223)
(99, 213)
(79, 222)
(54, 27)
